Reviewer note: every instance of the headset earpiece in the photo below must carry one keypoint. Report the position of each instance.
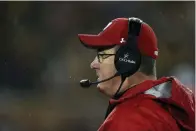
(128, 57)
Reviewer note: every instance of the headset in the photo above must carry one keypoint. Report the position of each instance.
(127, 58)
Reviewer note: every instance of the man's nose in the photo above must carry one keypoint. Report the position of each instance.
(95, 63)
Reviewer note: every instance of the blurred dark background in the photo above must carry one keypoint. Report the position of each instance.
(42, 60)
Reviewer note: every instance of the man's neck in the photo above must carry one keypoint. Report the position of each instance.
(135, 80)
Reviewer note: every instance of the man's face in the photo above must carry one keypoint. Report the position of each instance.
(105, 68)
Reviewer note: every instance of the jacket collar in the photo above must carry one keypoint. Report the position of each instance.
(138, 89)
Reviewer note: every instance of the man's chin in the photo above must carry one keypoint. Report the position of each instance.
(100, 88)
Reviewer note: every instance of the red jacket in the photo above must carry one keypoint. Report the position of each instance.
(160, 105)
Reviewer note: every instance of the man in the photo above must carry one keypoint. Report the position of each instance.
(126, 68)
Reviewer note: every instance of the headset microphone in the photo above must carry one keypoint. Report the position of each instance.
(86, 83)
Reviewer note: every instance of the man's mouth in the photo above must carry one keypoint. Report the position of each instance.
(98, 79)
(97, 74)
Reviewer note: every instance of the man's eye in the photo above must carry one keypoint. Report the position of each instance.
(101, 57)
(104, 56)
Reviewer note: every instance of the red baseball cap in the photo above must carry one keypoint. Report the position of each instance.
(116, 33)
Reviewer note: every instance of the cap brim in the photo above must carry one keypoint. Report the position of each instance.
(94, 41)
